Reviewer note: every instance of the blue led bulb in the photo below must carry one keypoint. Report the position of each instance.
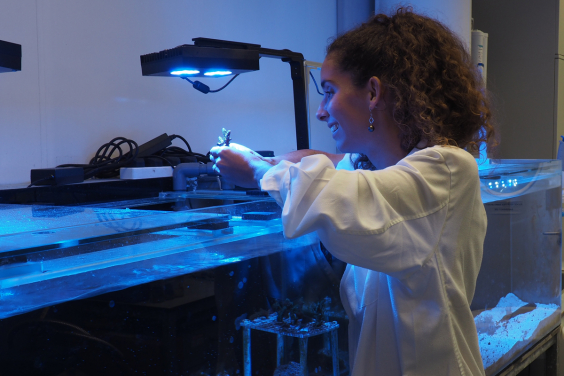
(182, 72)
(217, 73)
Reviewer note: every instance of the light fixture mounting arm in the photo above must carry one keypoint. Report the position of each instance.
(296, 61)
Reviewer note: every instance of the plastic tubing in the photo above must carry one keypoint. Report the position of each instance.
(190, 170)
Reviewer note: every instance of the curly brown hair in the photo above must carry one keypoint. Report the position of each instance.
(435, 90)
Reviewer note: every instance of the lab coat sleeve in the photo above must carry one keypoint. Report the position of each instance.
(383, 220)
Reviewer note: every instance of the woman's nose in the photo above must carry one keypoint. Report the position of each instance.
(321, 113)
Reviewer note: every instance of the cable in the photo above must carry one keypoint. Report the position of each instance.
(103, 165)
(315, 82)
(172, 137)
(224, 86)
(205, 88)
(40, 180)
(163, 158)
(175, 151)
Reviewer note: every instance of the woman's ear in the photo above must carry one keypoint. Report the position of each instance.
(376, 90)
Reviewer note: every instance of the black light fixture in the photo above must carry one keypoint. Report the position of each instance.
(10, 57)
(217, 58)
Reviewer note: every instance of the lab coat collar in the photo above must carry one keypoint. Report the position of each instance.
(420, 146)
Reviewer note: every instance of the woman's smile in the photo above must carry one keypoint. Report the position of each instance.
(334, 127)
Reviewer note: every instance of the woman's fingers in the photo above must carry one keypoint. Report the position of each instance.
(235, 163)
(215, 151)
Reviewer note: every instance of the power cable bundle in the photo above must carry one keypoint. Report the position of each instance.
(103, 165)
(112, 156)
(106, 164)
(177, 152)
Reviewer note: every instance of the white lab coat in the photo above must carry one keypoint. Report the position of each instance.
(413, 237)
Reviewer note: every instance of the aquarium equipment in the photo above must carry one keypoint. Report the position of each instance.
(219, 58)
(10, 57)
(286, 328)
(517, 301)
(110, 285)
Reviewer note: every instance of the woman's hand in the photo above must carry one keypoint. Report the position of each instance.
(239, 165)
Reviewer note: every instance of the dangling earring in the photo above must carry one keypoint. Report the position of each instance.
(371, 120)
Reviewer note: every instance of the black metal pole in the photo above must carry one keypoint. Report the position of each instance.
(296, 61)
(300, 104)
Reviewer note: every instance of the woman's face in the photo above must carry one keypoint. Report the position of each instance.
(345, 108)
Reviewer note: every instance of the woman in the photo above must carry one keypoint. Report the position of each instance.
(404, 210)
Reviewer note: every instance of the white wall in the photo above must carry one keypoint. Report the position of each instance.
(81, 82)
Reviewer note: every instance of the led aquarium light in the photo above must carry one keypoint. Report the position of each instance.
(219, 58)
(10, 57)
(199, 60)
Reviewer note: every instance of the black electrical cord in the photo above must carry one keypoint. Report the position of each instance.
(175, 151)
(40, 180)
(315, 82)
(161, 157)
(205, 88)
(224, 86)
(103, 165)
(172, 137)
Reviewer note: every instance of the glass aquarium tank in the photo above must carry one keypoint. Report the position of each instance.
(211, 286)
(518, 293)
(108, 289)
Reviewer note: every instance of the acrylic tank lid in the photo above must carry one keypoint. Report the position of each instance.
(90, 251)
